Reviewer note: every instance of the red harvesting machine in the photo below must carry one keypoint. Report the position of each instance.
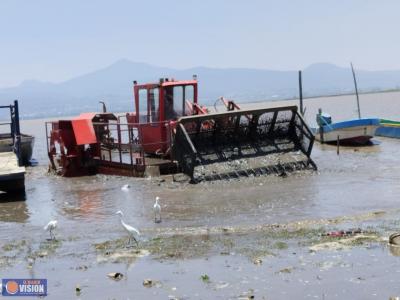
(170, 132)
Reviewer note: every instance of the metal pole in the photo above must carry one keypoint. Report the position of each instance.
(119, 141)
(355, 85)
(12, 126)
(321, 126)
(301, 94)
(338, 145)
(17, 133)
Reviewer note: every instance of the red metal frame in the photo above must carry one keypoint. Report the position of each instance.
(91, 143)
(156, 135)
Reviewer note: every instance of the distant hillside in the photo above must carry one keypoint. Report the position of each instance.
(114, 85)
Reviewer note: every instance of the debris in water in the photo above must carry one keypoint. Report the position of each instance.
(257, 261)
(78, 290)
(247, 295)
(42, 254)
(126, 187)
(205, 278)
(157, 211)
(148, 283)
(394, 250)
(115, 275)
(180, 177)
(394, 239)
(221, 285)
(341, 233)
(360, 278)
(346, 243)
(286, 270)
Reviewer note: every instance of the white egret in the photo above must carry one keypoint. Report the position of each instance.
(126, 187)
(157, 211)
(131, 230)
(50, 227)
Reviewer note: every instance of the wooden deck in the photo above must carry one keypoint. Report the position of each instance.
(12, 177)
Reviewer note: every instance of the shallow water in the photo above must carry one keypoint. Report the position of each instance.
(357, 181)
(367, 273)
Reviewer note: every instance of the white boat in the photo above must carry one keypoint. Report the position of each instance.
(352, 132)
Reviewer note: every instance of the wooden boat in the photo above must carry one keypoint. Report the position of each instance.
(352, 132)
(15, 151)
(389, 128)
(27, 142)
(12, 176)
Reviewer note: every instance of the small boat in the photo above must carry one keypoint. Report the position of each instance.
(389, 128)
(12, 176)
(15, 150)
(352, 132)
(27, 142)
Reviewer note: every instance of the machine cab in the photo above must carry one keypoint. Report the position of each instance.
(156, 104)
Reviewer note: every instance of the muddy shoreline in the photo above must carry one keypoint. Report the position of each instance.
(189, 263)
(260, 257)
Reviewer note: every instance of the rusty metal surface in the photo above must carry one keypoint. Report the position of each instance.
(223, 137)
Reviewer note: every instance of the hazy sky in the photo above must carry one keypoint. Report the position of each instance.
(54, 40)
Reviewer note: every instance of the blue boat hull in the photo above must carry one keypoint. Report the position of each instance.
(389, 128)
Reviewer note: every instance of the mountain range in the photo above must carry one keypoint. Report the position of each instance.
(113, 84)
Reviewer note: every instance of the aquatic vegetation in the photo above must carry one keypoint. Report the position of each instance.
(47, 248)
(281, 245)
(179, 246)
(16, 245)
(111, 244)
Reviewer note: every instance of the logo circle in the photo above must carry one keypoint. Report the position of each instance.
(12, 287)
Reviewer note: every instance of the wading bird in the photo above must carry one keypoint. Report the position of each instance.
(157, 211)
(50, 227)
(131, 230)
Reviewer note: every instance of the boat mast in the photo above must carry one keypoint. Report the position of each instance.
(355, 85)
